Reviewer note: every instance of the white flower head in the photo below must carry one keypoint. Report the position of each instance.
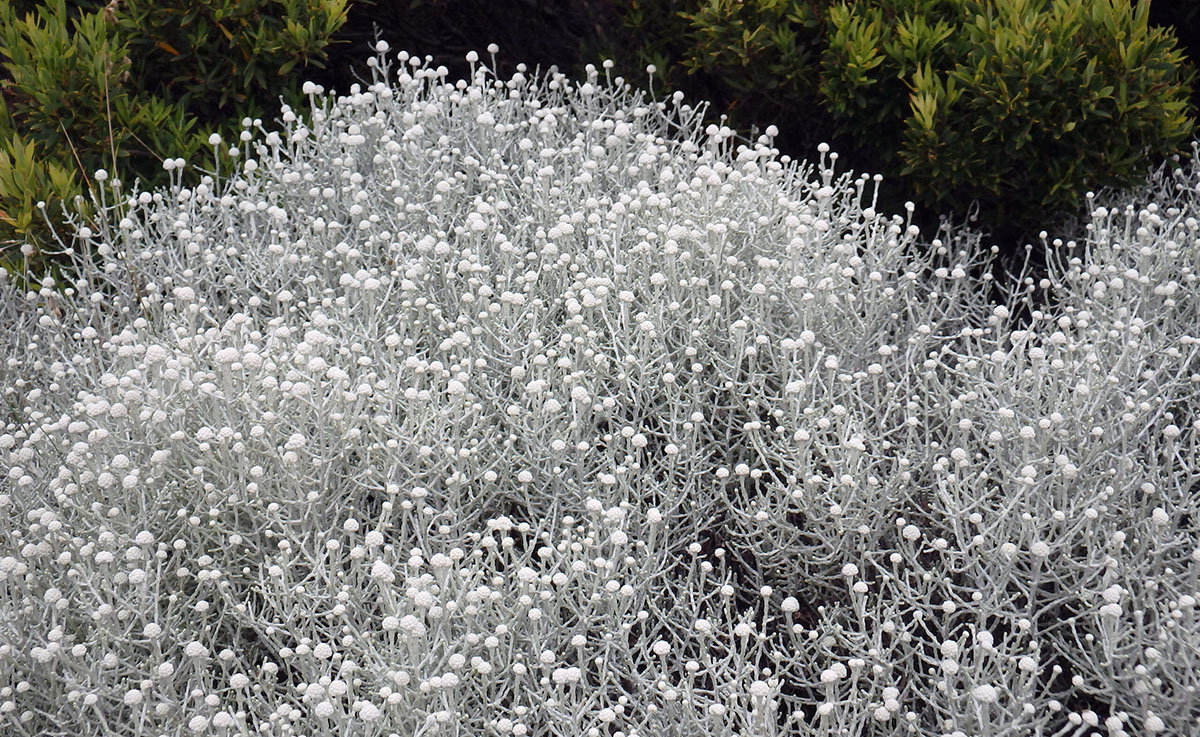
(985, 694)
(368, 712)
(195, 649)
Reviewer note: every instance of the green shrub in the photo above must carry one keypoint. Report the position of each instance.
(1018, 106)
(130, 83)
(749, 59)
(1183, 18)
(759, 46)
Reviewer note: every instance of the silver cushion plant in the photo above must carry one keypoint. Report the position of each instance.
(527, 407)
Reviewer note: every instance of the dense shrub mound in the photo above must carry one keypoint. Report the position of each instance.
(524, 407)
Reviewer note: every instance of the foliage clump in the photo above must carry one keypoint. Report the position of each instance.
(527, 407)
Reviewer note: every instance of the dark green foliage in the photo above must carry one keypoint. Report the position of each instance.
(1022, 105)
(758, 47)
(124, 85)
(1183, 18)
(754, 61)
(536, 33)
